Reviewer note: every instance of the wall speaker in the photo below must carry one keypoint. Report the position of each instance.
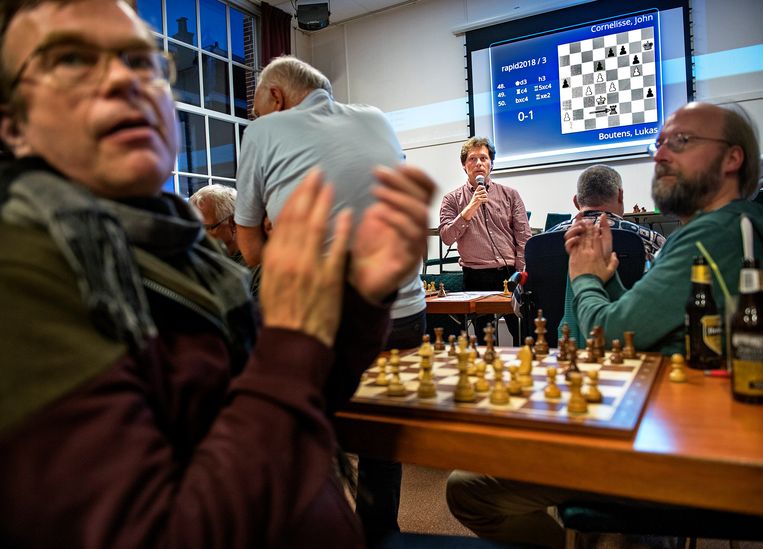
(313, 17)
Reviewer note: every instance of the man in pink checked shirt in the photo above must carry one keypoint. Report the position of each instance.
(489, 223)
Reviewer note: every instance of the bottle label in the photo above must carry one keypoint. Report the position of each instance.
(700, 274)
(711, 333)
(748, 377)
(749, 281)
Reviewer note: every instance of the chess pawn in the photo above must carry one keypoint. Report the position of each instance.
(577, 403)
(473, 345)
(395, 387)
(381, 377)
(593, 394)
(552, 389)
(677, 368)
(563, 356)
(441, 292)
(515, 389)
(439, 344)
(506, 291)
(530, 342)
(489, 355)
(589, 355)
(629, 351)
(426, 346)
(499, 395)
(464, 390)
(427, 387)
(481, 385)
(617, 352)
(452, 341)
(572, 351)
(471, 369)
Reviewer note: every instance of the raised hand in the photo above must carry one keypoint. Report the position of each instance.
(391, 237)
(301, 286)
(590, 249)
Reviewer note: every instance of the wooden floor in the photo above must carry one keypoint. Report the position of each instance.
(423, 509)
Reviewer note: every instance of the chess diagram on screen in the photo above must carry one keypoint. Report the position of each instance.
(609, 81)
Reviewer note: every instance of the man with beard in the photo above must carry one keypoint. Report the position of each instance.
(706, 169)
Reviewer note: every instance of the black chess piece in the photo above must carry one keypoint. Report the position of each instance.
(622, 50)
(649, 93)
(613, 109)
(636, 60)
(611, 53)
(565, 84)
(599, 66)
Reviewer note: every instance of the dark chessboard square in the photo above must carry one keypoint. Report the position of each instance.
(612, 74)
(613, 121)
(575, 47)
(589, 101)
(577, 92)
(625, 108)
(602, 112)
(613, 98)
(607, 400)
(647, 32)
(623, 61)
(578, 114)
(648, 57)
(588, 78)
(638, 117)
(616, 367)
(576, 70)
(635, 47)
(650, 103)
(624, 84)
(637, 94)
(587, 56)
(564, 60)
(598, 42)
(622, 38)
(600, 88)
(649, 80)
(544, 405)
(590, 124)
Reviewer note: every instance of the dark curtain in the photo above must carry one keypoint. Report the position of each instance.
(276, 32)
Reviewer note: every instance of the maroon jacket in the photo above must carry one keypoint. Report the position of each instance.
(170, 449)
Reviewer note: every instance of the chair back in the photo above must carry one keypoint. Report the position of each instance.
(553, 219)
(546, 264)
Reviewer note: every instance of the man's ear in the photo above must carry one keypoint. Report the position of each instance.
(575, 201)
(278, 98)
(13, 135)
(733, 160)
(620, 196)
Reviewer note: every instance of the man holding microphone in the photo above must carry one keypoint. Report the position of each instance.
(489, 223)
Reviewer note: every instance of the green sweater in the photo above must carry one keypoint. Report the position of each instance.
(654, 307)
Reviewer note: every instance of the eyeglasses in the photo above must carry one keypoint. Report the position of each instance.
(678, 142)
(82, 65)
(213, 227)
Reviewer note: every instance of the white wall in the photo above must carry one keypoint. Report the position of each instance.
(408, 62)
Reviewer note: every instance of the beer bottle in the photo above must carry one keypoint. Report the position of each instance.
(747, 337)
(704, 349)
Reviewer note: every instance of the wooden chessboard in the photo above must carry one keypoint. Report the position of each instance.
(625, 389)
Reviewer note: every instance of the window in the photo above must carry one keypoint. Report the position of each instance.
(214, 43)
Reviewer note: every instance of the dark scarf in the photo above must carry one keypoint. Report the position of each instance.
(100, 239)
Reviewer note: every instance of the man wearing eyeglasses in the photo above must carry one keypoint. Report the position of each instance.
(706, 169)
(136, 409)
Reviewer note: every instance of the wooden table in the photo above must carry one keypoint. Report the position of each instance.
(695, 446)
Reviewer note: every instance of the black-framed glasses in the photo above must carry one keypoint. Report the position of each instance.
(678, 142)
(78, 65)
(213, 227)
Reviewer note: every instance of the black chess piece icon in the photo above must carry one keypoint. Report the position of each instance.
(611, 52)
(599, 66)
(622, 50)
(636, 60)
(613, 109)
(649, 93)
(648, 45)
(565, 84)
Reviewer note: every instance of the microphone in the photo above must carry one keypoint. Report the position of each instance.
(517, 279)
(480, 179)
